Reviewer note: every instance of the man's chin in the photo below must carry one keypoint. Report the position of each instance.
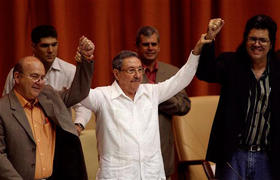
(256, 56)
(150, 58)
(36, 92)
(135, 85)
(49, 60)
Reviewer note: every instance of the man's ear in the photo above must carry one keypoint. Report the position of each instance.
(16, 77)
(116, 74)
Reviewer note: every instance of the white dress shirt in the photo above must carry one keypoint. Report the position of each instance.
(59, 76)
(127, 130)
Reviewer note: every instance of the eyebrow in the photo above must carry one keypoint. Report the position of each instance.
(48, 44)
(130, 67)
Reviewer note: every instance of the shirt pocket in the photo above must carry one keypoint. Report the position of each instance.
(122, 119)
(118, 169)
(153, 166)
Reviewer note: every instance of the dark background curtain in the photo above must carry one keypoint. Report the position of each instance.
(112, 25)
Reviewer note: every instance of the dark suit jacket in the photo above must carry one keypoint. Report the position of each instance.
(232, 71)
(177, 105)
(17, 145)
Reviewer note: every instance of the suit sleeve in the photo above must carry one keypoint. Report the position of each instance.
(7, 171)
(179, 105)
(81, 84)
(210, 68)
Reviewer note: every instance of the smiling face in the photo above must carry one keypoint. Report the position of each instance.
(258, 44)
(129, 77)
(148, 48)
(29, 82)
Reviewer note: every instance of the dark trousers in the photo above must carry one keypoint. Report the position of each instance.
(245, 165)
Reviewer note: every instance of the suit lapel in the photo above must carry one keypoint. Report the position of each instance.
(145, 79)
(48, 108)
(57, 112)
(19, 114)
(160, 75)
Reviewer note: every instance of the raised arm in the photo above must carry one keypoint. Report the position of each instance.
(214, 27)
(83, 76)
(184, 76)
(208, 68)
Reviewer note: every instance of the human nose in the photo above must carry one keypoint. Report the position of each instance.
(138, 73)
(257, 42)
(50, 48)
(150, 46)
(40, 80)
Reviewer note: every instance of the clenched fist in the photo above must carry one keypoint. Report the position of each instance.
(214, 27)
(85, 49)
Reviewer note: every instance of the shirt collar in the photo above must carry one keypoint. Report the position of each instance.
(155, 68)
(55, 65)
(24, 102)
(117, 91)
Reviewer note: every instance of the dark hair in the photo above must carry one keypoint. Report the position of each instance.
(146, 31)
(42, 32)
(259, 22)
(118, 59)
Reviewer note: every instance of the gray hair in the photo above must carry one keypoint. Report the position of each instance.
(118, 59)
(146, 31)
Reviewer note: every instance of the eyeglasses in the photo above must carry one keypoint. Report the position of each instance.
(134, 70)
(147, 44)
(35, 77)
(262, 41)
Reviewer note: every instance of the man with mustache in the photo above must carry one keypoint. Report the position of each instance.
(59, 73)
(127, 127)
(244, 140)
(148, 48)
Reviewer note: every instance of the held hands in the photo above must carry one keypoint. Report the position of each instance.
(214, 27)
(85, 49)
(198, 47)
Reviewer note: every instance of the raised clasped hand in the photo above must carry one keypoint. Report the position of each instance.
(85, 49)
(214, 27)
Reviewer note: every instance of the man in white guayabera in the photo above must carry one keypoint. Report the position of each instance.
(126, 112)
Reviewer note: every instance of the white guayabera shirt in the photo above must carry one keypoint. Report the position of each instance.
(128, 131)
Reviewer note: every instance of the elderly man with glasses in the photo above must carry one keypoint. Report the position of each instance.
(38, 139)
(148, 48)
(127, 127)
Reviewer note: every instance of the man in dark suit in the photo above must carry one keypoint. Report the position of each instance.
(147, 42)
(244, 141)
(38, 139)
